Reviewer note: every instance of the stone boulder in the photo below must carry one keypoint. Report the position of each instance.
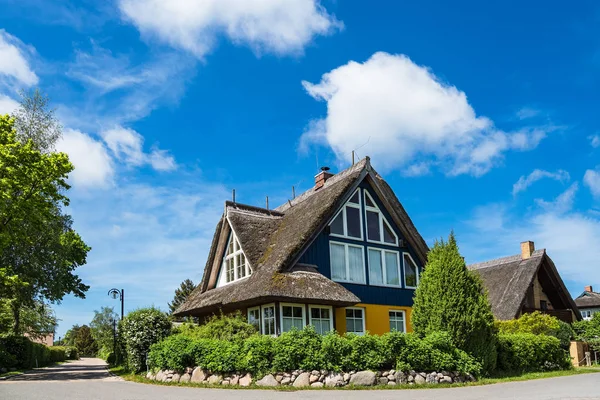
(246, 380)
(333, 380)
(419, 379)
(215, 379)
(185, 378)
(198, 375)
(303, 380)
(268, 381)
(176, 377)
(363, 378)
(317, 384)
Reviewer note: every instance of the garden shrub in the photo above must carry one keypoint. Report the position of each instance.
(453, 299)
(366, 352)
(20, 352)
(538, 323)
(138, 331)
(523, 352)
(71, 353)
(297, 349)
(222, 327)
(335, 350)
(111, 359)
(222, 357)
(57, 354)
(257, 354)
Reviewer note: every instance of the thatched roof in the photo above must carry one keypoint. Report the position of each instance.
(588, 299)
(508, 279)
(274, 240)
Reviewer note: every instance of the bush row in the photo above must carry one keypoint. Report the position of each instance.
(539, 324)
(522, 352)
(307, 350)
(20, 352)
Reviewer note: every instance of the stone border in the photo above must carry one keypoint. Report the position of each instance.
(300, 378)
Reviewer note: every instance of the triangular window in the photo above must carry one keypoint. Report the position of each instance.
(235, 266)
(348, 222)
(378, 229)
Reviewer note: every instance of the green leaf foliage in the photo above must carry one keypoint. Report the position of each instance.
(181, 294)
(20, 352)
(85, 343)
(102, 330)
(138, 331)
(526, 352)
(539, 324)
(223, 327)
(589, 331)
(297, 350)
(452, 299)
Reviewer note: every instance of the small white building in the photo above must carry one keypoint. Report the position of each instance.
(588, 303)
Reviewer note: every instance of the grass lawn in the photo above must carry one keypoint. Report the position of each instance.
(141, 378)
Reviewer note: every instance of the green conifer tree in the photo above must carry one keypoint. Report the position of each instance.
(451, 298)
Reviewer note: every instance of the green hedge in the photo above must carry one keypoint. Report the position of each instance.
(20, 352)
(308, 350)
(522, 352)
(539, 324)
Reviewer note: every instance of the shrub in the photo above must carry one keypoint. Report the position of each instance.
(223, 327)
(57, 354)
(451, 298)
(539, 324)
(20, 352)
(111, 359)
(366, 352)
(521, 352)
(335, 350)
(257, 354)
(222, 357)
(297, 349)
(71, 353)
(85, 342)
(138, 331)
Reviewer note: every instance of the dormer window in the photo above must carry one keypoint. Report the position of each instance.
(235, 265)
(378, 229)
(348, 222)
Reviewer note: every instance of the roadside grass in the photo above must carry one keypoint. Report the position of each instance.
(141, 378)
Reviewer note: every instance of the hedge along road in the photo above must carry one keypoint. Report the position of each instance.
(89, 379)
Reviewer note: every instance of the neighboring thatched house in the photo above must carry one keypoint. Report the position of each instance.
(588, 303)
(343, 255)
(525, 283)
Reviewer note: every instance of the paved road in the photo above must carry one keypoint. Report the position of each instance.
(87, 379)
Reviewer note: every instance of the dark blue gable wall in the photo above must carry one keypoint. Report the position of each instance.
(318, 254)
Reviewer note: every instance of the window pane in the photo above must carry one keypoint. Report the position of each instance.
(254, 318)
(353, 222)
(349, 313)
(349, 325)
(373, 226)
(368, 201)
(325, 326)
(271, 327)
(230, 249)
(375, 270)
(358, 313)
(355, 263)
(325, 313)
(410, 271)
(337, 225)
(388, 235)
(354, 198)
(298, 323)
(391, 269)
(338, 262)
(297, 312)
(314, 313)
(286, 324)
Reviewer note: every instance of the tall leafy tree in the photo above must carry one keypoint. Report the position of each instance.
(451, 298)
(85, 342)
(70, 335)
(36, 121)
(37, 241)
(102, 328)
(181, 294)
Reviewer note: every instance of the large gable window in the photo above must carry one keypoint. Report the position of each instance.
(378, 229)
(411, 271)
(348, 222)
(384, 267)
(347, 262)
(235, 265)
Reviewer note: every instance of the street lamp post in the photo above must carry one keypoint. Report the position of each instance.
(118, 294)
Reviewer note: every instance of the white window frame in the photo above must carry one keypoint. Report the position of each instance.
(302, 306)
(382, 221)
(404, 269)
(347, 259)
(233, 256)
(399, 285)
(344, 217)
(263, 319)
(310, 319)
(364, 318)
(403, 319)
(259, 317)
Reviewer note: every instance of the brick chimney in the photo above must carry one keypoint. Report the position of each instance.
(527, 249)
(589, 289)
(321, 177)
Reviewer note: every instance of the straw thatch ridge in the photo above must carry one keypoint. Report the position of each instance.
(588, 299)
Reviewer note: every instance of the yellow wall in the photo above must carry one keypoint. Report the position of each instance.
(377, 318)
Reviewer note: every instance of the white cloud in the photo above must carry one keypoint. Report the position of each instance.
(592, 180)
(562, 203)
(594, 140)
(525, 181)
(527, 112)
(409, 117)
(278, 26)
(7, 104)
(14, 65)
(93, 165)
(127, 146)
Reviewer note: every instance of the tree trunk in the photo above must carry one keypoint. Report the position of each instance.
(16, 310)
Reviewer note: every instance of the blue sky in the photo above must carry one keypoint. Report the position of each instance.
(482, 117)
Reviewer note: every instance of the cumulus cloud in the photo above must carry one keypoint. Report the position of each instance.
(14, 65)
(93, 165)
(7, 104)
(594, 141)
(127, 146)
(525, 181)
(277, 26)
(591, 179)
(409, 117)
(527, 112)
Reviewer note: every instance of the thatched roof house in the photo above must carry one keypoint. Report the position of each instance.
(588, 303)
(525, 283)
(317, 253)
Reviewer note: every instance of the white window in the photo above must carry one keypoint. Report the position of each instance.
(378, 229)
(355, 320)
(384, 267)
(321, 318)
(348, 222)
(235, 265)
(397, 321)
(254, 317)
(268, 320)
(411, 271)
(347, 262)
(587, 314)
(292, 316)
